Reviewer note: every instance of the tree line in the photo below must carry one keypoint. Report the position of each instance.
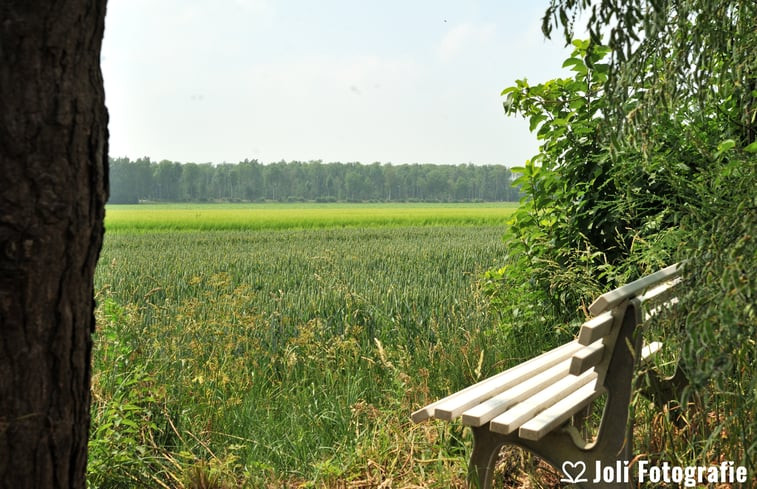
(252, 181)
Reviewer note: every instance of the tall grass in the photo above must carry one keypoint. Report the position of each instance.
(286, 358)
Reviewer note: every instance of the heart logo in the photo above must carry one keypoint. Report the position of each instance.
(574, 472)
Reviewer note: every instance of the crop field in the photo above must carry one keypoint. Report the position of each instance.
(283, 354)
(152, 217)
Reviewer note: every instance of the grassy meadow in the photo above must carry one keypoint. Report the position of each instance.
(275, 216)
(286, 345)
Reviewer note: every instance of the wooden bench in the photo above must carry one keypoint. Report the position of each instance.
(532, 404)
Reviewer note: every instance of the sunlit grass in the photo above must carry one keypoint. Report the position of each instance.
(154, 217)
(286, 358)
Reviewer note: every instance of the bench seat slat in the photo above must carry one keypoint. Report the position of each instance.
(453, 405)
(492, 407)
(513, 418)
(560, 412)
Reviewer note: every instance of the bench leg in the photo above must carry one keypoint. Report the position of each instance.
(486, 446)
(555, 449)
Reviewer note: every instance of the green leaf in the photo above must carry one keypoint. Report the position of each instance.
(752, 147)
(571, 62)
(521, 181)
(726, 145)
(535, 121)
(603, 68)
(577, 65)
(577, 103)
(582, 45)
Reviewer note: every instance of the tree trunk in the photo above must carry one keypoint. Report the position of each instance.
(53, 172)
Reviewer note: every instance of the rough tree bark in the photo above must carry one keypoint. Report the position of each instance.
(53, 187)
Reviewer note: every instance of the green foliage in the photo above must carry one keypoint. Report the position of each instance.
(119, 454)
(719, 328)
(574, 223)
(569, 173)
(657, 166)
(672, 55)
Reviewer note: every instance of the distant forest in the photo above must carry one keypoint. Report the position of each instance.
(314, 181)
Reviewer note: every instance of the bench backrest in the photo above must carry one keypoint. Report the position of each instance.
(538, 395)
(611, 299)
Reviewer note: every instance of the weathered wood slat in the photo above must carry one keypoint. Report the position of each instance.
(488, 409)
(648, 351)
(610, 299)
(512, 419)
(454, 404)
(652, 312)
(660, 291)
(558, 413)
(587, 358)
(595, 328)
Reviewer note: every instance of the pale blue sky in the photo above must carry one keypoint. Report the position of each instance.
(332, 80)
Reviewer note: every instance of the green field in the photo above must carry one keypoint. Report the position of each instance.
(248, 346)
(152, 217)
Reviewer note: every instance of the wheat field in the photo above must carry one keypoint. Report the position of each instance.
(287, 349)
